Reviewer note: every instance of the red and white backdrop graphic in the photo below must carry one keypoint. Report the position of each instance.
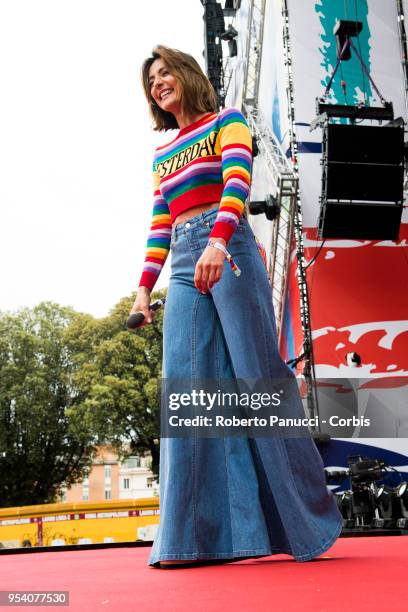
(358, 292)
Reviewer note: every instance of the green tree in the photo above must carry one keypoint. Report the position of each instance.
(69, 383)
(42, 447)
(117, 380)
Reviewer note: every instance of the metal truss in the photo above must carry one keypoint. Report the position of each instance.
(286, 184)
(309, 369)
(285, 177)
(253, 54)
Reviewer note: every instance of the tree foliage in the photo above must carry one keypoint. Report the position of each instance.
(68, 383)
(41, 449)
(117, 379)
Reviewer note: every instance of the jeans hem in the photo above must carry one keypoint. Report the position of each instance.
(251, 553)
(321, 549)
(204, 556)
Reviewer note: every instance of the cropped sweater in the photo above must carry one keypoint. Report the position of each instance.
(208, 161)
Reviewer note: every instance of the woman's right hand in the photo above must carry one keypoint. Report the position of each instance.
(142, 303)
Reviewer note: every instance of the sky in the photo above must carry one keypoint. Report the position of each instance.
(76, 145)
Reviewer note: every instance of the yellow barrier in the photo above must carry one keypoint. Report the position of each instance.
(62, 523)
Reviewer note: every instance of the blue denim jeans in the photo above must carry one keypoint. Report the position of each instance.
(230, 497)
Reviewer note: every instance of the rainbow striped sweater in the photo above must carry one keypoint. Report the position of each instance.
(208, 161)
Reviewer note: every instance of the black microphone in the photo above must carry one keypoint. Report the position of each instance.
(136, 319)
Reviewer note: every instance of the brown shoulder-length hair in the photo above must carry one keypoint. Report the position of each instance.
(197, 93)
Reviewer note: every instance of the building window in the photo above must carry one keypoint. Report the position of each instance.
(108, 472)
(126, 483)
(132, 462)
(108, 494)
(149, 482)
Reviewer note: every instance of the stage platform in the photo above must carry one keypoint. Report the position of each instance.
(362, 573)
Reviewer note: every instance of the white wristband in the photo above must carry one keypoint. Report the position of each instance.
(221, 247)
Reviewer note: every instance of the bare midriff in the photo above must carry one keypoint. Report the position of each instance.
(192, 212)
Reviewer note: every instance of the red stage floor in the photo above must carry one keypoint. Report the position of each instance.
(355, 574)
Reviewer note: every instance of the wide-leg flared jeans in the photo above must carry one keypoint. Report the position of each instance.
(233, 497)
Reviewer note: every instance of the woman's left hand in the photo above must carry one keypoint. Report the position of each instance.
(209, 267)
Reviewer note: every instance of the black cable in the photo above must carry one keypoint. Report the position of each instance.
(316, 256)
(293, 362)
(341, 69)
(359, 50)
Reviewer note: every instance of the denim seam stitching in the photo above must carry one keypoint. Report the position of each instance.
(312, 521)
(194, 441)
(228, 493)
(283, 442)
(265, 340)
(216, 340)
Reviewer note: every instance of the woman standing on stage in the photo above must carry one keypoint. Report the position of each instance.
(228, 498)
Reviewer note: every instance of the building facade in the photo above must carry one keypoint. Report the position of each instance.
(108, 479)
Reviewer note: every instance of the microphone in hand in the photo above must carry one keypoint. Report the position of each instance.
(136, 319)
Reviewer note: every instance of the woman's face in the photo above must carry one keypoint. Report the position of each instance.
(164, 87)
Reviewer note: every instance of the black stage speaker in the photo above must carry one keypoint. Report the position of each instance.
(362, 182)
(360, 220)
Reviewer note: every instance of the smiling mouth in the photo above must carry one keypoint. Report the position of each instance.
(165, 94)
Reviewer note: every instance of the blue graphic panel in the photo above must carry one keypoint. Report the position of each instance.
(358, 86)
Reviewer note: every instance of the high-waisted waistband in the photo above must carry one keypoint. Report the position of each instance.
(200, 220)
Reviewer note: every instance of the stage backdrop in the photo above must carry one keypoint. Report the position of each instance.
(358, 289)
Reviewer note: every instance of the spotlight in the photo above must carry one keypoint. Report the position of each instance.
(401, 492)
(369, 503)
(401, 495)
(383, 499)
(269, 206)
(363, 508)
(344, 504)
(363, 472)
(387, 507)
(230, 33)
